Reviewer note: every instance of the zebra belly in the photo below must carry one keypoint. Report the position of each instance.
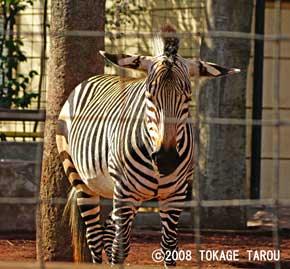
(102, 185)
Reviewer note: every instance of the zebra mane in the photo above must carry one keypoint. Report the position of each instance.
(170, 39)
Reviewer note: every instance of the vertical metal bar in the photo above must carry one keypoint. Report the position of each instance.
(257, 101)
(196, 185)
(276, 132)
(42, 60)
(121, 72)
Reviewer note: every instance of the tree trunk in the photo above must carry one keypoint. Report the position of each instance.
(223, 147)
(72, 59)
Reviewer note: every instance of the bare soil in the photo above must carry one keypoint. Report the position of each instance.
(21, 247)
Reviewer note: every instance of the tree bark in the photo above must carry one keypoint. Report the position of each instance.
(72, 59)
(223, 147)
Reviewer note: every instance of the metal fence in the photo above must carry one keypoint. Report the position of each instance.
(32, 26)
(277, 122)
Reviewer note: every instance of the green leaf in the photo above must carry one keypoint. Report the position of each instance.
(19, 42)
(23, 85)
(30, 2)
(16, 87)
(21, 75)
(5, 102)
(22, 57)
(9, 44)
(32, 73)
(12, 62)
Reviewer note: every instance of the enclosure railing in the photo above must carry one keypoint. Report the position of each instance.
(8, 115)
(277, 123)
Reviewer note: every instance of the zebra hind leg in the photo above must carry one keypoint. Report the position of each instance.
(83, 204)
(89, 207)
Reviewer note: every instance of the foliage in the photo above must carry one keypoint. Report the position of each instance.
(14, 87)
(122, 13)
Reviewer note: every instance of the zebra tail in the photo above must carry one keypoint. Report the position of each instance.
(77, 227)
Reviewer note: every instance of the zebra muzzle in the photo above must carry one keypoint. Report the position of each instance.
(166, 160)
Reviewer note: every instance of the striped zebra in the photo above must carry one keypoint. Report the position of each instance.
(130, 140)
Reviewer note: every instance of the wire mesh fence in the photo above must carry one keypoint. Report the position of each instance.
(31, 31)
(275, 121)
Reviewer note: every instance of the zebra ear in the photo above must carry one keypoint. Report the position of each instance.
(210, 70)
(130, 61)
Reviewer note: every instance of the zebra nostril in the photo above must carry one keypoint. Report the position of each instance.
(166, 160)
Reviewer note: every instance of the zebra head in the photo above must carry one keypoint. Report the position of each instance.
(167, 95)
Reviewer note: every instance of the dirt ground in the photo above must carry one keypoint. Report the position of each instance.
(21, 247)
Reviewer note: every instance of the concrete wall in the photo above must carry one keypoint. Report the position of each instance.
(19, 177)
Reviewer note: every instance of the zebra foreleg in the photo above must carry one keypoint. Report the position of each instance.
(123, 215)
(90, 212)
(169, 220)
(109, 235)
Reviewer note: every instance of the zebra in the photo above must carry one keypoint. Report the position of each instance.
(130, 140)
